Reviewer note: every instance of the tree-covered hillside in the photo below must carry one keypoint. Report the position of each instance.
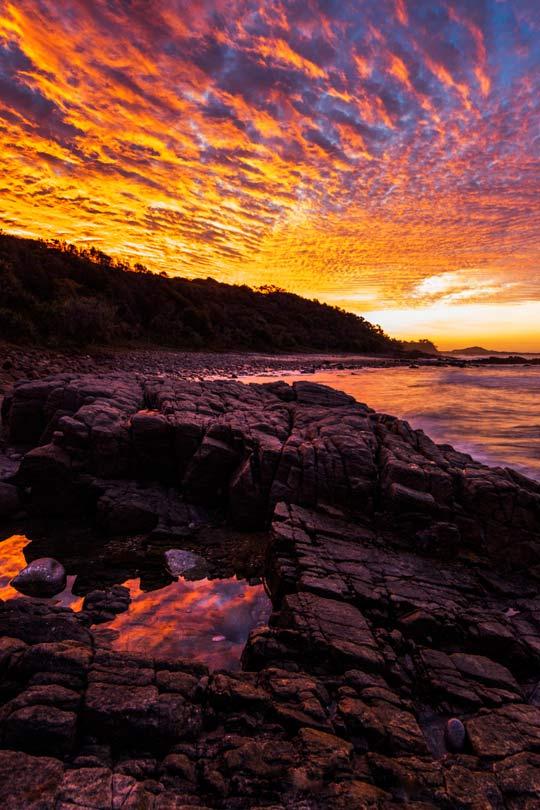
(60, 295)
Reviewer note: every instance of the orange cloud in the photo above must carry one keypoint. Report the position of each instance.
(350, 151)
(401, 12)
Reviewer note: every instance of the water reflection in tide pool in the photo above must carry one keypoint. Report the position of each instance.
(208, 620)
(490, 412)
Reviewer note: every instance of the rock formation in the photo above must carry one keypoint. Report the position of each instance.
(401, 664)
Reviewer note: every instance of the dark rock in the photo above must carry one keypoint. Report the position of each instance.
(27, 418)
(9, 500)
(45, 695)
(509, 730)
(481, 668)
(39, 729)
(28, 782)
(87, 787)
(41, 623)
(132, 508)
(519, 776)
(139, 768)
(181, 682)
(256, 445)
(455, 735)
(470, 787)
(47, 470)
(130, 514)
(335, 632)
(42, 577)
(69, 657)
(8, 468)
(184, 563)
(180, 766)
(210, 469)
(407, 499)
(103, 605)
(398, 602)
(153, 444)
(138, 714)
(324, 753)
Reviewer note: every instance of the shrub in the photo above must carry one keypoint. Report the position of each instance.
(85, 320)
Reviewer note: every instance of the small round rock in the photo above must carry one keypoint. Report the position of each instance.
(42, 577)
(454, 735)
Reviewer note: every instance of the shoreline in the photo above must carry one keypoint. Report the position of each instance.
(25, 362)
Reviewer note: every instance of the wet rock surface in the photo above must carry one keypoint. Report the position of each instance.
(401, 663)
(42, 577)
(103, 605)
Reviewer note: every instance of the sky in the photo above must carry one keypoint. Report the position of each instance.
(380, 156)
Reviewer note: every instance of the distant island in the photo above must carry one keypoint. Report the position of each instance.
(55, 294)
(427, 347)
(474, 350)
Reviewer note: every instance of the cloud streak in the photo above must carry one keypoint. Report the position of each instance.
(339, 149)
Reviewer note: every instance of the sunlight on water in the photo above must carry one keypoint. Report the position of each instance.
(491, 413)
(11, 562)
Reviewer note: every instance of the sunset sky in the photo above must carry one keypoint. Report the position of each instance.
(381, 155)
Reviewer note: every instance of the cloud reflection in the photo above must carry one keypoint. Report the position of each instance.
(208, 620)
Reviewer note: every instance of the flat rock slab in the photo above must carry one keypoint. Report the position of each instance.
(331, 630)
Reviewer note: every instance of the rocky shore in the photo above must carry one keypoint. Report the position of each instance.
(26, 363)
(401, 663)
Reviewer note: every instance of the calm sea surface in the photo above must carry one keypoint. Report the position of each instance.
(491, 413)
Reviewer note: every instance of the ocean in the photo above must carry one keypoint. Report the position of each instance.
(493, 412)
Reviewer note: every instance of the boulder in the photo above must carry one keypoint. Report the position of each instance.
(42, 577)
(41, 623)
(210, 469)
(125, 513)
(26, 413)
(182, 563)
(89, 788)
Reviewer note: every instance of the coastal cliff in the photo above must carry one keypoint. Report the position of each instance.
(401, 661)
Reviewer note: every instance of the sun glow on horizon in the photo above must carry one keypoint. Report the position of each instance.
(502, 327)
(382, 157)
